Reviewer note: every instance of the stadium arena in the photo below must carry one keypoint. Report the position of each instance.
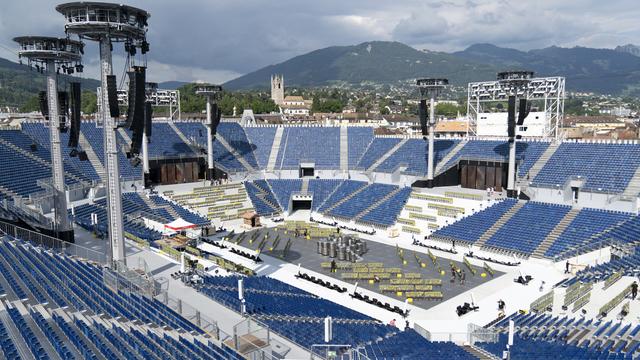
(133, 236)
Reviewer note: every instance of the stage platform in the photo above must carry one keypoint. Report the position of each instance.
(303, 251)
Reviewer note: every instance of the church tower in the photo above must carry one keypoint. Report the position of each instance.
(277, 89)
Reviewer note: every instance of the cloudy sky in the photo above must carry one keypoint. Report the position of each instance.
(217, 40)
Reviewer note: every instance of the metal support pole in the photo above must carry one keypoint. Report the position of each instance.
(432, 121)
(59, 194)
(145, 153)
(210, 167)
(114, 202)
(511, 179)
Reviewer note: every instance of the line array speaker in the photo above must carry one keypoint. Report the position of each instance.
(112, 91)
(136, 111)
(422, 112)
(75, 103)
(44, 104)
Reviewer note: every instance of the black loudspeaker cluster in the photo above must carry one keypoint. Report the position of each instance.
(112, 92)
(136, 112)
(424, 117)
(63, 109)
(524, 107)
(216, 115)
(148, 122)
(44, 104)
(74, 104)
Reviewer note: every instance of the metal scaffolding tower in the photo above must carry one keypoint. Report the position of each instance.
(108, 23)
(211, 92)
(430, 89)
(52, 55)
(512, 83)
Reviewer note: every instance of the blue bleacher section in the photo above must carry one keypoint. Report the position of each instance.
(73, 287)
(413, 153)
(262, 140)
(378, 147)
(196, 132)
(410, 345)
(320, 145)
(262, 198)
(165, 142)
(362, 200)
(527, 153)
(298, 315)
(134, 205)
(543, 336)
(387, 212)
(470, 228)
(283, 189)
(321, 189)
(95, 137)
(235, 136)
(183, 213)
(71, 282)
(359, 140)
(606, 167)
(83, 218)
(345, 189)
(552, 350)
(537, 218)
(629, 264)
(587, 223)
(40, 134)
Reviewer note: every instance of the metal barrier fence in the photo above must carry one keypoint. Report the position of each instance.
(56, 245)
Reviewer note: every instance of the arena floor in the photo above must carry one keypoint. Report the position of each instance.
(305, 252)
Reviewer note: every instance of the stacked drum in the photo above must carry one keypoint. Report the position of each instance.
(344, 248)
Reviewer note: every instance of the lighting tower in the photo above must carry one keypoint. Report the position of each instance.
(54, 55)
(107, 23)
(429, 89)
(512, 83)
(211, 92)
(151, 88)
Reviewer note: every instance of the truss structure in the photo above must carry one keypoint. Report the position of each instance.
(547, 93)
(158, 98)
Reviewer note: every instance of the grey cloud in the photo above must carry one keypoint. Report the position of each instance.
(217, 40)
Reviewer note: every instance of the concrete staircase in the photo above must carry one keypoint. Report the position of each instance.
(233, 151)
(555, 233)
(344, 148)
(153, 205)
(14, 333)
(633, 188)
(440, 166)
(535, 169)
(93, 158)
(124, 135)
(275, 147)
(377, 203)
(498, 224)
(305, 186)
(184, 139)
(345, 199)
(386, 156)
(479, 353)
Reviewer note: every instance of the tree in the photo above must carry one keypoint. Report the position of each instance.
(89, 102)
(32, 104)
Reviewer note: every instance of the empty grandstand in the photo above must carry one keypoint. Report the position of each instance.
(240, 238)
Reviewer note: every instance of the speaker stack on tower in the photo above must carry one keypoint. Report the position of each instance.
(424, 117)
(136, 114)
(44, 105)
(215, 118)
(112, 92)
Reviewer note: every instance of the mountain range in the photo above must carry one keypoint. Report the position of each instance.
(611, 71)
